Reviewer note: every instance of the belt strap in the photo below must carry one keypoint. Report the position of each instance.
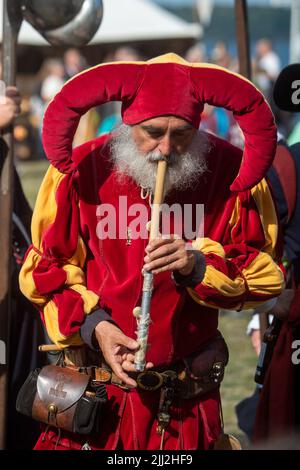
(149, 380)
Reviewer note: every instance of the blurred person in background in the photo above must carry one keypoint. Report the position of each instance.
(279, 408)
(221, 56)
(74, 63)
(196, 53)
(53, 80)
(267, 65)
(110, 113)
(218, 121)
(50, 79)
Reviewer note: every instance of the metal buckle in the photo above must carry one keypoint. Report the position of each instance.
(102, 375)
(217, 372)
(150, 380)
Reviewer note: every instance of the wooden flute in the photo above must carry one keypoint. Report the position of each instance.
(142, 313)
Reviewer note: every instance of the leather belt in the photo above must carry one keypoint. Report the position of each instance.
(149, 380)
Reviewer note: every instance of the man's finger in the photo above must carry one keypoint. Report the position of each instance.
(127, 342)
(149, 365)
(128, 366)
(118, 370)
(162, 251)
(164, 262)
(129, 357)
(154, 244)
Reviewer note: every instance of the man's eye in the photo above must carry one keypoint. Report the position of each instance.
(154, 134)
(180, 135)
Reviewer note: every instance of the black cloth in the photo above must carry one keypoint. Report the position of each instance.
(87, 330)
(246, 411)
(197, 274)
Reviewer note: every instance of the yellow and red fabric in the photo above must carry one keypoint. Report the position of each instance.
(69, 271)
(53, 275)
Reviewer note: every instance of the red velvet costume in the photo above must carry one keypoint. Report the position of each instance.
(69, 271)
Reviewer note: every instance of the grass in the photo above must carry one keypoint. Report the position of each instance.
(31, 175)
(238, 382)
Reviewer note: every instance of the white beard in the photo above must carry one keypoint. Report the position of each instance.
(183, 170)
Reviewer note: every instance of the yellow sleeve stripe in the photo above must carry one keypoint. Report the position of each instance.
(206, 245)
(235, 214)
(27, 284)
(264, 276)
(45, 207)
(51, 321)
(223, 284)
(252, 304)
(264, 202)
(79, 256)
(75, 275)
(90, 299)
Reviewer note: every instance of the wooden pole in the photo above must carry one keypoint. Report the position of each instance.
(242, 33)
(11, 25)
(143, 313)
(158, 198)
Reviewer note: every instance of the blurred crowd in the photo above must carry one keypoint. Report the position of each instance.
(54, 72)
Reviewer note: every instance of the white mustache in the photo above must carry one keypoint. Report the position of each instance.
(156, 156)
(183, 171)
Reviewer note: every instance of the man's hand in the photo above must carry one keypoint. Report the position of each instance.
(118, 351)
(256, 341)
(169, 254)
(11, 107)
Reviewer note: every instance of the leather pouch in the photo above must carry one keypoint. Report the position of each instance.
(64, 398)
(204, 370)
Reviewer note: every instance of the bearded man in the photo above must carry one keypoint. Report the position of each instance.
(85, 275)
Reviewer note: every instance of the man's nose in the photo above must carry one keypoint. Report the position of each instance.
(165, 146)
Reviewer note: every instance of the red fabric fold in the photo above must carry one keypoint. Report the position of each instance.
(48, 276)
(70, 311)
(61, 238)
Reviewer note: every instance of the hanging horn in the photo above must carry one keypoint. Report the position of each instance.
(219, 87)
(64, 23)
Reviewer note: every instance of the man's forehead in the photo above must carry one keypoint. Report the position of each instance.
(164, 122)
